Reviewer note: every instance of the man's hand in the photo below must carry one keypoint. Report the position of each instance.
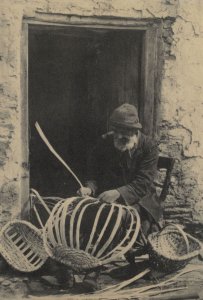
(84, 192)
(109, 196)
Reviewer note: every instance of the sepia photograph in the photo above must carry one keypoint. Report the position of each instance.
(101, 149)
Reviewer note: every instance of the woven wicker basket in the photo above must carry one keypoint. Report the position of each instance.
(84, 233)
(21, 245)
(172, 248)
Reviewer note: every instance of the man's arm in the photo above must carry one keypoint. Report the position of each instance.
(91, 186)
(133, 192)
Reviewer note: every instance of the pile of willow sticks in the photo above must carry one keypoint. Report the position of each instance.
(162, 290)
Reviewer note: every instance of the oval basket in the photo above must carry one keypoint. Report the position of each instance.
(21, 244)
(84, 233)
(172, 248)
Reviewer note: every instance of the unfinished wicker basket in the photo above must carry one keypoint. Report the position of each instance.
(84, 233)
(172, 248)
(21, 245)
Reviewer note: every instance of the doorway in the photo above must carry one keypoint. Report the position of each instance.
(77, 76)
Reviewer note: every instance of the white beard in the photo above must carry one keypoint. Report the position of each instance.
(128, 146)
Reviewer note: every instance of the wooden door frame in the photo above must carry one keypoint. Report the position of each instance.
(151, 68)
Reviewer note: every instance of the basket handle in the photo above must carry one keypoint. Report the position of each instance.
(184, 235)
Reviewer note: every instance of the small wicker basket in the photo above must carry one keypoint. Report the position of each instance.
(84, 233)
(172, 248)
(21, 245)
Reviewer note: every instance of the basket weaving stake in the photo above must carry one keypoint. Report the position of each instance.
(132, 241)
(72, 219)
(57, 221)
(52, 201)
(63, 224)
(65, 206)
(22, 246)
(55, 153)
(119, 246)
(33, 258)
(136, 232)
(94, 227)
(79, 224)
(38, 217)
(29, 254)
(37, 261)
(103, 229)
(12, 236)
(41, 200)
(25, 248)
(48, 229)
(17, 240)
(50, 225)
(114, 231)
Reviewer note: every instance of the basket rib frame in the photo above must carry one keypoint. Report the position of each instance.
(72, 220)
(70, 237)
(96, 220)
(103, 229)
(79, 221)
(131, 243)
(113, 234)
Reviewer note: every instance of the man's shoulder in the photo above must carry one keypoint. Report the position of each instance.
(147, 143)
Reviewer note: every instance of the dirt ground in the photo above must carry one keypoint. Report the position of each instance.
(44, 285)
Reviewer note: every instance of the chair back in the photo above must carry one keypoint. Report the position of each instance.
(165, 163)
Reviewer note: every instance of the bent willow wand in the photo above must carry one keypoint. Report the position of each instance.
(42, 135)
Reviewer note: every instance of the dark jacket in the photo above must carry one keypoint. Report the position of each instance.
(133, 177)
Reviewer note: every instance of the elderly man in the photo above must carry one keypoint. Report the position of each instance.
(122, 167)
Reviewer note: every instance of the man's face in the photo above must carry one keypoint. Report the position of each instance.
(125, 139)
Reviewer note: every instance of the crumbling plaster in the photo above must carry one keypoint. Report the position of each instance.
(181, 94)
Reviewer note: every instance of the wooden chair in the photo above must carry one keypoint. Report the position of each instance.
(165, 163)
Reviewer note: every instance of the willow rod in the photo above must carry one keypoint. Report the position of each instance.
(42, 135)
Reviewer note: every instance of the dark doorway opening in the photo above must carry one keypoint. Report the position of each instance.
(77, 76)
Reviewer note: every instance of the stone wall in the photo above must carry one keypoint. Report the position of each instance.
(182, 112)
(181, 95)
